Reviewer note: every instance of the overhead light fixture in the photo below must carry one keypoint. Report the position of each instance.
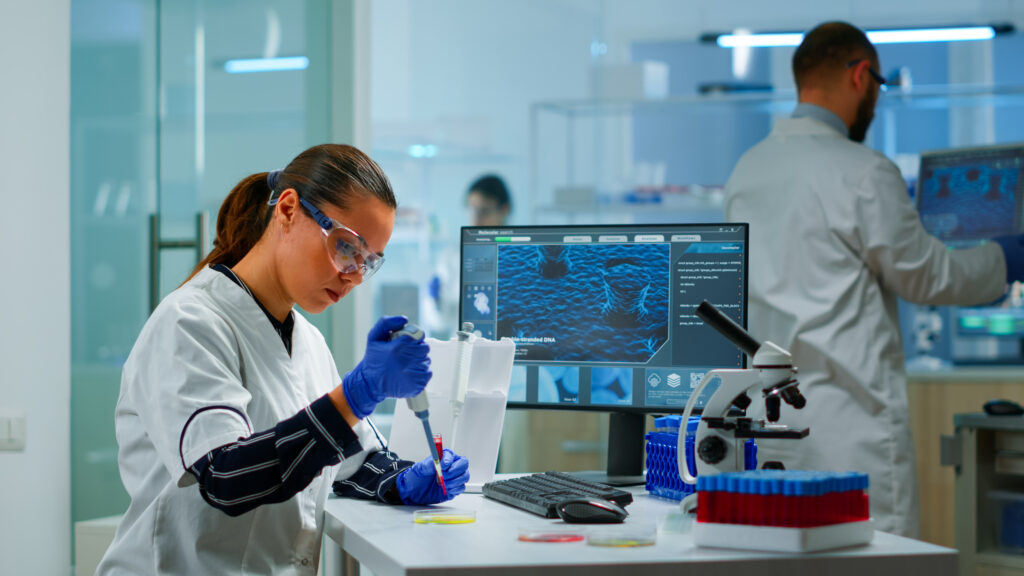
(931, 35)
(250, 65)
(889, 36)
(422, 150)
(770, 40)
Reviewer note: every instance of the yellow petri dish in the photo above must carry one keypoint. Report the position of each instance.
(444, 516)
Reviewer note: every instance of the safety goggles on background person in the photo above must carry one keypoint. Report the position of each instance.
(481, 212)
(346, 248)
(878, 77)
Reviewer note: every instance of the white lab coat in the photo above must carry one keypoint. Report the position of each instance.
(834, 240)
(208, 369)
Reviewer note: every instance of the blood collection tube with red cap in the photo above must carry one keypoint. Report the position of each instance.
(440, 453)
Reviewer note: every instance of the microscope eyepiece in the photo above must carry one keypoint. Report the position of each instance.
(727, 327)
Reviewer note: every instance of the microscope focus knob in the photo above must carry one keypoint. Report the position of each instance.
(712, 450)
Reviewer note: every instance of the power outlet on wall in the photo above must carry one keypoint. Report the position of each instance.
(12, 432)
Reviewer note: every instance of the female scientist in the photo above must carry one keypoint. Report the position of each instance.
(231, 422)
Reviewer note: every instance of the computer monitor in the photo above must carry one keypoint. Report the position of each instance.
(603, 316)
(966, 196)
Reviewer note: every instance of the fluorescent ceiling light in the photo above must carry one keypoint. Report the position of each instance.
(422, 150)
(759, 40)
(249, 65)
(931, 35)
(903, 36)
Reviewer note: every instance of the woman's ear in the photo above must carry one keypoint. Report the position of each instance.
(286, 211)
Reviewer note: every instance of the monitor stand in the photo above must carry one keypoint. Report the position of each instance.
(625, 452)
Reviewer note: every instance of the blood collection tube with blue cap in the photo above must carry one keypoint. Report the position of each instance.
(421, 407)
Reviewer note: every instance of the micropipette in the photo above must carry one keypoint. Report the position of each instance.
(421, 407)
(463, 356)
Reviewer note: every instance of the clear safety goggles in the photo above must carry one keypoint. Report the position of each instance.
(347, 249)
(481, 212)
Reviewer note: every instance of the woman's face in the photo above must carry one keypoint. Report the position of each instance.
(309, 276)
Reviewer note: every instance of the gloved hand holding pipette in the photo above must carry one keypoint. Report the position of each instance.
(396, 365)
(391, 368)
(418, 486)
(421, 408)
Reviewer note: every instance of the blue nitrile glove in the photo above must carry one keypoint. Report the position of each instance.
(396, 368)
(434, 288)
(417, 485)
(1013, 252)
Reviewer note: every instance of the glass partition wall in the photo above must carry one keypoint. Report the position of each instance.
(172, 104)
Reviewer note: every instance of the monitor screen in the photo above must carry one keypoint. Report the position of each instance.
(603, 316)
(968, 195)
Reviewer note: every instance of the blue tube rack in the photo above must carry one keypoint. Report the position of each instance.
(662, 477)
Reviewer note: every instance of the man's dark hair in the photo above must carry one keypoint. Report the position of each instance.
(492, 187)
(829, 48)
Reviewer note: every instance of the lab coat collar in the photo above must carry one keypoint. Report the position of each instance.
(824, 115)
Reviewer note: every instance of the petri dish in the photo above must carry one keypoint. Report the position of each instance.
(630, 537)
(444, 516)
(551, 534)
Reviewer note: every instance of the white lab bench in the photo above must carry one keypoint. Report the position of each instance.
(385, 540)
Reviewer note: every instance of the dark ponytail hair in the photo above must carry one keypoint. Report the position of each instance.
(328, 174)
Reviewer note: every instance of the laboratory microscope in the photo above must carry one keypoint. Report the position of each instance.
(724, 425)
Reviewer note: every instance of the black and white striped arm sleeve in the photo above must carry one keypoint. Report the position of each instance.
(275, 464)
(375, 479)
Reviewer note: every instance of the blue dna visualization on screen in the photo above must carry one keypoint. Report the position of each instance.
(603, 316)
(969, 195)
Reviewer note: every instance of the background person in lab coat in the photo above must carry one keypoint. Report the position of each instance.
(233, 424)
(488, 203)
(834, 241)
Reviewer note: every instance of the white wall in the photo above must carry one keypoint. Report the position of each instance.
(463, 75)
(35, 485)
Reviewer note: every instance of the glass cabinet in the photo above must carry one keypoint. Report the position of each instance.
(668, 160)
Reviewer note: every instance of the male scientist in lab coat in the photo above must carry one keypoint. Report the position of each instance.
(834, 241)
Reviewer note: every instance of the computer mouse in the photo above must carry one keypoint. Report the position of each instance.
(590, 511)
(1001, 407)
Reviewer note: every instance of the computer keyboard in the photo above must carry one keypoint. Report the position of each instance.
(540, 493)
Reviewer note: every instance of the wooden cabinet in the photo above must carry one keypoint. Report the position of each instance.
(956, 510)
(934, 399)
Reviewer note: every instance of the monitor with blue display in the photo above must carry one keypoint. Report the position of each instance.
(966, 196)
(603, 316)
